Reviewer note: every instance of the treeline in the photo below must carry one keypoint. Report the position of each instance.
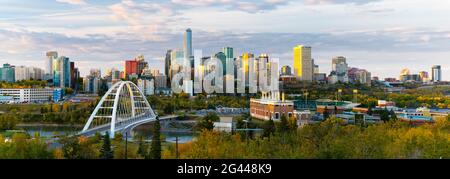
(328, 140)
(67, 113)
(24, 146)
(24, 84)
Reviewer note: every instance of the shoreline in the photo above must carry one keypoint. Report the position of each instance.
(47, 125)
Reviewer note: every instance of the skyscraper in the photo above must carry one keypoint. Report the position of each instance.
(286, 70)
(339, 70)
(61, 72)
(437, 73)
(188, 44)
(229, 53)
(167, 65)
(245, 66)
(303, 67)
(424, 77)
(135, 67)
(7, 73)
(187, 48)
(223, 58)
(49, 62)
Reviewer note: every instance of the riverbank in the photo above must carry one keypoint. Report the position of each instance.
(48, 125)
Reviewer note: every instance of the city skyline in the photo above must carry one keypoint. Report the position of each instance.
(114, 31)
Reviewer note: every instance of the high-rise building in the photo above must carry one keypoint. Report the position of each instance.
(424, 77)
(245, 66)
(187, 48)
(146, 86)
(286, 70)
(95, 73)
(363, 77)
(28, 73)
(176, 66)
(160, 81)
(188, 52)
(91, 84)
(7, 73)
(303, 65)
(223, 59)
(229, 53)
(339, 71)
(167, 65)
(49, 61)
(72, 75)
(316, 69)
(22, 73)
(61, 72)
(436, 73)
(135, 67)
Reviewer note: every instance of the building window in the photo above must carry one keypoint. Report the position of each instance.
(277, 115)
(289, 114)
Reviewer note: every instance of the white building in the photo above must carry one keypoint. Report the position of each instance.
(339, 70)
(91, 84)
(146, 86)
(363, 77)
(29, 95)
(28, 73)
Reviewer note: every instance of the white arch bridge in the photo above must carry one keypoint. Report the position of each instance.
(121, 109)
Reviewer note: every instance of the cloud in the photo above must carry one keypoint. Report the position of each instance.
(149, 20)
(357, 2)
(74, 2)
(380, 48)
(249, 6)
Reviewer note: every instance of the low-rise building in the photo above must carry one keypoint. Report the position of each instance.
(271, 107)
(28, 95)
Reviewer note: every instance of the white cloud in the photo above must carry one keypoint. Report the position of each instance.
(74, 2)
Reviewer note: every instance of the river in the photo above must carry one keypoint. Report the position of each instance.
(51, 132)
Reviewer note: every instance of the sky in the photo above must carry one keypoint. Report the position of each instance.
(382, 36)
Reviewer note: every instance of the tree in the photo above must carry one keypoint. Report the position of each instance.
(70, 147)
(284, 124)
(326, 115)
(385, 115)
(143, 148)
(207, 122)
(155, 151)
(7, 122)
(269, 128)
(105, 151)
(393, 115)
(370, 111)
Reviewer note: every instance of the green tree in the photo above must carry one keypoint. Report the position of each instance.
(370, 111)
(7, 122)
(269, 128)
(106, 151)
(326, 114)
(155, 151)
(70, 147)
(393, 115)
(207, 122)
(384, 115)
(284, 124)
(143, 148)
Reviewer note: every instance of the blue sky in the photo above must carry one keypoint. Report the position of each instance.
(382, 36)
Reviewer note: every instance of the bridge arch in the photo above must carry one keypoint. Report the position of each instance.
(122, 106)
